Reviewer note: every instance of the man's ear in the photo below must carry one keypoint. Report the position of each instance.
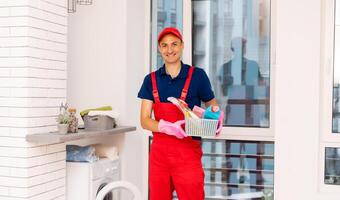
(182, 44)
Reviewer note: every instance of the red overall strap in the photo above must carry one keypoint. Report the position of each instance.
(154, 87)
(187, 84)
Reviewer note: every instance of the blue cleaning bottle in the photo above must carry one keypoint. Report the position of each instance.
(212, 112)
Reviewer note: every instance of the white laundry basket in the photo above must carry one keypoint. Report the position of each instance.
(201, 127)
(117, 185)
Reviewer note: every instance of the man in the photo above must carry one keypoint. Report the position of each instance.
(175, 158)
(241, 80)
(239, 70)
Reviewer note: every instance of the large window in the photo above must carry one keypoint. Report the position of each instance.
(231, 40)
(336, 83)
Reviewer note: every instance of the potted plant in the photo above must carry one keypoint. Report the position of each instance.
(63, 119)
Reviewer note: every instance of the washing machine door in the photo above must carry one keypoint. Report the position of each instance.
(100, 184)
(109, 195)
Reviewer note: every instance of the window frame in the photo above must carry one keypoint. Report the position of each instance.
(327, 137)
(326, 188)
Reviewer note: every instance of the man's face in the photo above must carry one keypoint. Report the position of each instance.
(171, 48)
(238, 46)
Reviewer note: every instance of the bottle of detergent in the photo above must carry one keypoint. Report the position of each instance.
(212, 112)
(183, 106)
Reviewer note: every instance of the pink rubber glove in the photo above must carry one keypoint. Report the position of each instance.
(220, 124)
(174, 129)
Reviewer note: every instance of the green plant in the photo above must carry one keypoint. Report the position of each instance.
(64, 115)
(63, 118)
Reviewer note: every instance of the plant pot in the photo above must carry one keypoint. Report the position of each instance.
(62, 128)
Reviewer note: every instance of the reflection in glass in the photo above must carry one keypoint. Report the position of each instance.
(332, 166)
(240, 170)
(336, 84)
(164, 14)
(231, 40)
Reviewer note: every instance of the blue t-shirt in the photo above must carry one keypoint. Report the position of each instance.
(199, 89)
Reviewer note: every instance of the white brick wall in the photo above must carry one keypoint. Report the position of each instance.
(33, 52)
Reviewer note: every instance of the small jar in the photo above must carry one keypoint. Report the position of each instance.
(73, 125)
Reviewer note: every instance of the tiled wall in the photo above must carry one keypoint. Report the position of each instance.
(33, 52)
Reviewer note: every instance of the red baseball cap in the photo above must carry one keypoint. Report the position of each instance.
(170, 30)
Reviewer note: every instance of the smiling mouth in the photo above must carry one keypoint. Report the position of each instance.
(171, 55)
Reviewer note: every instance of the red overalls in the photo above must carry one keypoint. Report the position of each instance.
(175, 164)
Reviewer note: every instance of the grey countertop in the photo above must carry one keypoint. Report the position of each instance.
(55, 137)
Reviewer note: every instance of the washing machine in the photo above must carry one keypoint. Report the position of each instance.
(85, 180)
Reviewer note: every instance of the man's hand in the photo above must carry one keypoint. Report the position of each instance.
(174, 129)
(220, 123)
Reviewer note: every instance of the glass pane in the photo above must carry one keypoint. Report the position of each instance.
(238, 169)
(231, 41)
(332, 166)
(164, 14)
(336, 85)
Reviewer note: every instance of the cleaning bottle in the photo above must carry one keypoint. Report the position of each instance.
(183, 106)
(198, 111)
(212, 112)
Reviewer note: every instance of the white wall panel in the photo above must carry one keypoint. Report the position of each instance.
(33, 76)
